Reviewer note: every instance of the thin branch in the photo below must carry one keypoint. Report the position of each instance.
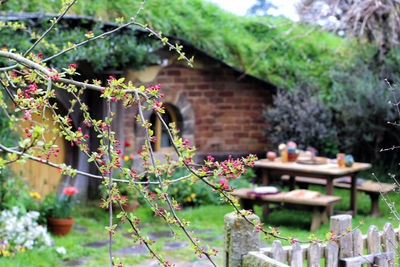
(49, 29)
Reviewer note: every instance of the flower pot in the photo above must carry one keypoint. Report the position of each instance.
(60, 227)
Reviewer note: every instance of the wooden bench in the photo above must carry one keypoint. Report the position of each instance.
(373, 189)
(315, 201)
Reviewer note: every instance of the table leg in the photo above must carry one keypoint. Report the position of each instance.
(265, 177)
(353, 194)
(329, 192)
(292, 183)
(265, 211)
(265, 182)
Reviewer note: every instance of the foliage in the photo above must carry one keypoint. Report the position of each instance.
(124, 49)
(14, 192)
(301, 117)
(124, 189)
(59, 206)
(283, 50)
(20, 231)
(191, 192)
(352, 117)
(360, 104)
(194, 193)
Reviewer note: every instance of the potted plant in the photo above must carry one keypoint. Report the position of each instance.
(58, 208)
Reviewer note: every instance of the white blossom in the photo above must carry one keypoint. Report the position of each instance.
(16, 229)
(61, 250)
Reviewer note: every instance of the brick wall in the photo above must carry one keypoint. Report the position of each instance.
(227, 112)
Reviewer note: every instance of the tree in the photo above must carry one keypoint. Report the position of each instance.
(376, 21)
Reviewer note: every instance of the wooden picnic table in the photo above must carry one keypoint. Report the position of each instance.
(324, 171)
(297, 199)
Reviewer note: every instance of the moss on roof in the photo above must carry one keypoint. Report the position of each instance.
(257, 45)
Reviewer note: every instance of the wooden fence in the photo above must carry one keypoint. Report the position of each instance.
(375, 248)
(40, 177)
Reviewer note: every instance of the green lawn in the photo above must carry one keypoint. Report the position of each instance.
(291, 223)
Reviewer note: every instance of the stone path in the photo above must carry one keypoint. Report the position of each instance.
(160, 234)
(174, 245)
(76, 262)
(142, 250)
(137, 249)
(96, 244)
(80, 228)
(177, 264)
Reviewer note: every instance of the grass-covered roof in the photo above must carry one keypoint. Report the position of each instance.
(261, 46)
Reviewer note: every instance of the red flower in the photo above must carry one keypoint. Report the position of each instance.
(70, 191)
(127, 144)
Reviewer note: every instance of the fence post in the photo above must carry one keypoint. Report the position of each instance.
(388, 240)
(358, 244)
(374, 240)
(331, 254)
(341, 224)
(239, 238)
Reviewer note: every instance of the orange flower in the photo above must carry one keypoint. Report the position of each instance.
(70, 191)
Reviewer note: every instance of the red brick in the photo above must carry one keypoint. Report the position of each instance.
(217, 114)
(256, 134)
(226, 93)
(181, 80)
(232, 127)
(174, 72)
(231, 141)
(252, 114)
(225, 107)
(239, 135)
(165, 80)
(195, 93)
(196, 79)
(252, 127)
(189, 86)
(210, 94)
(203, 86)
(216, 100)
(217, 128)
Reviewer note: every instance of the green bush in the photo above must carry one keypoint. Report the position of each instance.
(300, 116)
(193, 192)
(360, 104)
(351, 118)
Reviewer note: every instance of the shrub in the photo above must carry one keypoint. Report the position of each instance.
(14, 192)
(361, 112)
(352, 117)
(191, 192)
(20, 231)
(301, 117)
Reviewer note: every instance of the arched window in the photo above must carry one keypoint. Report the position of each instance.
(172, 114)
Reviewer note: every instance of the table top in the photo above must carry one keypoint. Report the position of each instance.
(326, 169)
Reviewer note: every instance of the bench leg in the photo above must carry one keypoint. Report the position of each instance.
(375, 212)
(292, 183)
(265, 211)
(317, 218)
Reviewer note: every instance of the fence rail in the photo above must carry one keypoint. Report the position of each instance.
(378, 248)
